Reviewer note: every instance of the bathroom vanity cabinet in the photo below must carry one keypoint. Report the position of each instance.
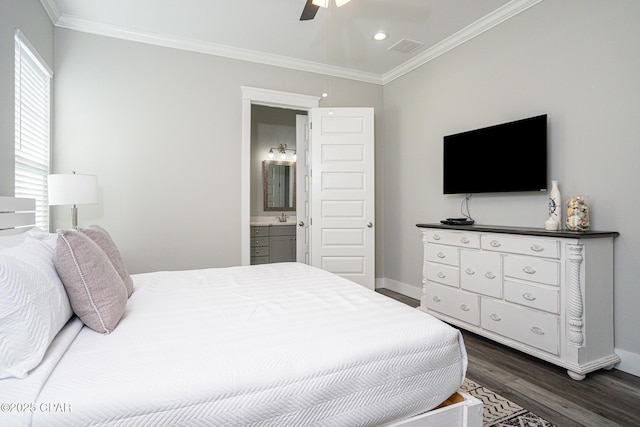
(273, 243)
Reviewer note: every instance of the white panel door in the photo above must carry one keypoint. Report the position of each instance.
(303, 189)
(342, 192)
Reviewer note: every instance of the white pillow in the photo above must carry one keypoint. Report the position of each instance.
(50, 239)
(33, 305)
(12, 240)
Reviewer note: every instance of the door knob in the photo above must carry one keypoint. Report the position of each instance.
(301, 224)
(370, 225)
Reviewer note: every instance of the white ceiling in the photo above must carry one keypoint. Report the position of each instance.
(338, 41)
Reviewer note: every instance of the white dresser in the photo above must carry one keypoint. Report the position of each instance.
(546, 293)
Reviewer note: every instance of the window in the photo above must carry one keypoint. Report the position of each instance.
(32, 126)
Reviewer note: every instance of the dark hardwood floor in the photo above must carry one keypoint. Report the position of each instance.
(604, 398)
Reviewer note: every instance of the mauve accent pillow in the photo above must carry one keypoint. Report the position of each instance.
(106, 243)
(96, 292)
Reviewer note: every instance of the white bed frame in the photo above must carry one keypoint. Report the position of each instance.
(467, 413)
(18, 215)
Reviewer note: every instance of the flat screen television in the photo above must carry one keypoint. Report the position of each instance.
(508, 157)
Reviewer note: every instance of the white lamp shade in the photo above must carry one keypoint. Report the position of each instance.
(73, 189)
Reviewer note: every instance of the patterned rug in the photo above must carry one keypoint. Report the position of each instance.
(500, 412)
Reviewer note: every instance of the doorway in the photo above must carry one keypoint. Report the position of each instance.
(343, 189)
(269, 98)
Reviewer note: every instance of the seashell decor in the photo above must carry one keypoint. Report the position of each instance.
(577, 214)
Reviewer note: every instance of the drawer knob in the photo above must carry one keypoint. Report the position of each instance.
(470, 272)
(257, 252)
(495, 243)
(537, 331)
(489, 275)
(436, 298)
(529, 296)
(495, 317)
(464, 240)
(537, 248)
(464, 307)
(441, 275)
(442, 255)
(436, 237)
(529, 270)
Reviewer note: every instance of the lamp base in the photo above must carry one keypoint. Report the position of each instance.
(74, 217)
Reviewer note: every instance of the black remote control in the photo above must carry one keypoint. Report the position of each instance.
(457, 221)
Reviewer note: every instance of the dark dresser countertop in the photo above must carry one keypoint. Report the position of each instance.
(526, 231)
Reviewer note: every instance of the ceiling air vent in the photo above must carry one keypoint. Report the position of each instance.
(406, 46)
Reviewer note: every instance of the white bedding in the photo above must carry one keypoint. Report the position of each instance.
(275, 344)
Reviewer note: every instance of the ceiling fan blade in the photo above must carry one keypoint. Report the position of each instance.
(309, 11)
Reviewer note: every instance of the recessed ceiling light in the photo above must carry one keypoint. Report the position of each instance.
(380, 35)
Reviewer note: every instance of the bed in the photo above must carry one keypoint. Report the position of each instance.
(269, 345)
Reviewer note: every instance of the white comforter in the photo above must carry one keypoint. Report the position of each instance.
(276, 344)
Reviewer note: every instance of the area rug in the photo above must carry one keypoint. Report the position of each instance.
(501, 412)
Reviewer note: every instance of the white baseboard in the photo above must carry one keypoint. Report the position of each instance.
(414, 292)
(630, 362)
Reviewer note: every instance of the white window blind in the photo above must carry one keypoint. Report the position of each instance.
(32, 126)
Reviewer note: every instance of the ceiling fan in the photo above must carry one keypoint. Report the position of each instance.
(311, 7)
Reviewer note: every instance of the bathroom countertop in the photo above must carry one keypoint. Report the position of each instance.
(267, 221)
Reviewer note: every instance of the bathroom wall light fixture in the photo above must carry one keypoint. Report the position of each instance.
(325, 3)
(282, 152)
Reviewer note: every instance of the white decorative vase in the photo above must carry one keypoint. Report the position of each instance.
(555, 203)
(551, 224)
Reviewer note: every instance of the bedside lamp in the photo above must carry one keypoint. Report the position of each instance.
(73, 189)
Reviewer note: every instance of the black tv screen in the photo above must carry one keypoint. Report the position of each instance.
(502, 158)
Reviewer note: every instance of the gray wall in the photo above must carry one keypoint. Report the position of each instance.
(29, 17)
(162, 130)
(577, 61)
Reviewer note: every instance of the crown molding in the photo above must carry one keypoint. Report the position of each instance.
(98, 28)
(52, 9)
(489, 21)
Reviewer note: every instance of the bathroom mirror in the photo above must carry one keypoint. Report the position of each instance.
(279, 188)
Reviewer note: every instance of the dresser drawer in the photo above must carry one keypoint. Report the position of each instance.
(259, 231)
(262, 251)
(539, 297)
(452, 302)
(454, 238)
(481, 272)
(259, 241)
(444, 274)
(442, 254)
(544, 248)
(532, 269)
(534, 328)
